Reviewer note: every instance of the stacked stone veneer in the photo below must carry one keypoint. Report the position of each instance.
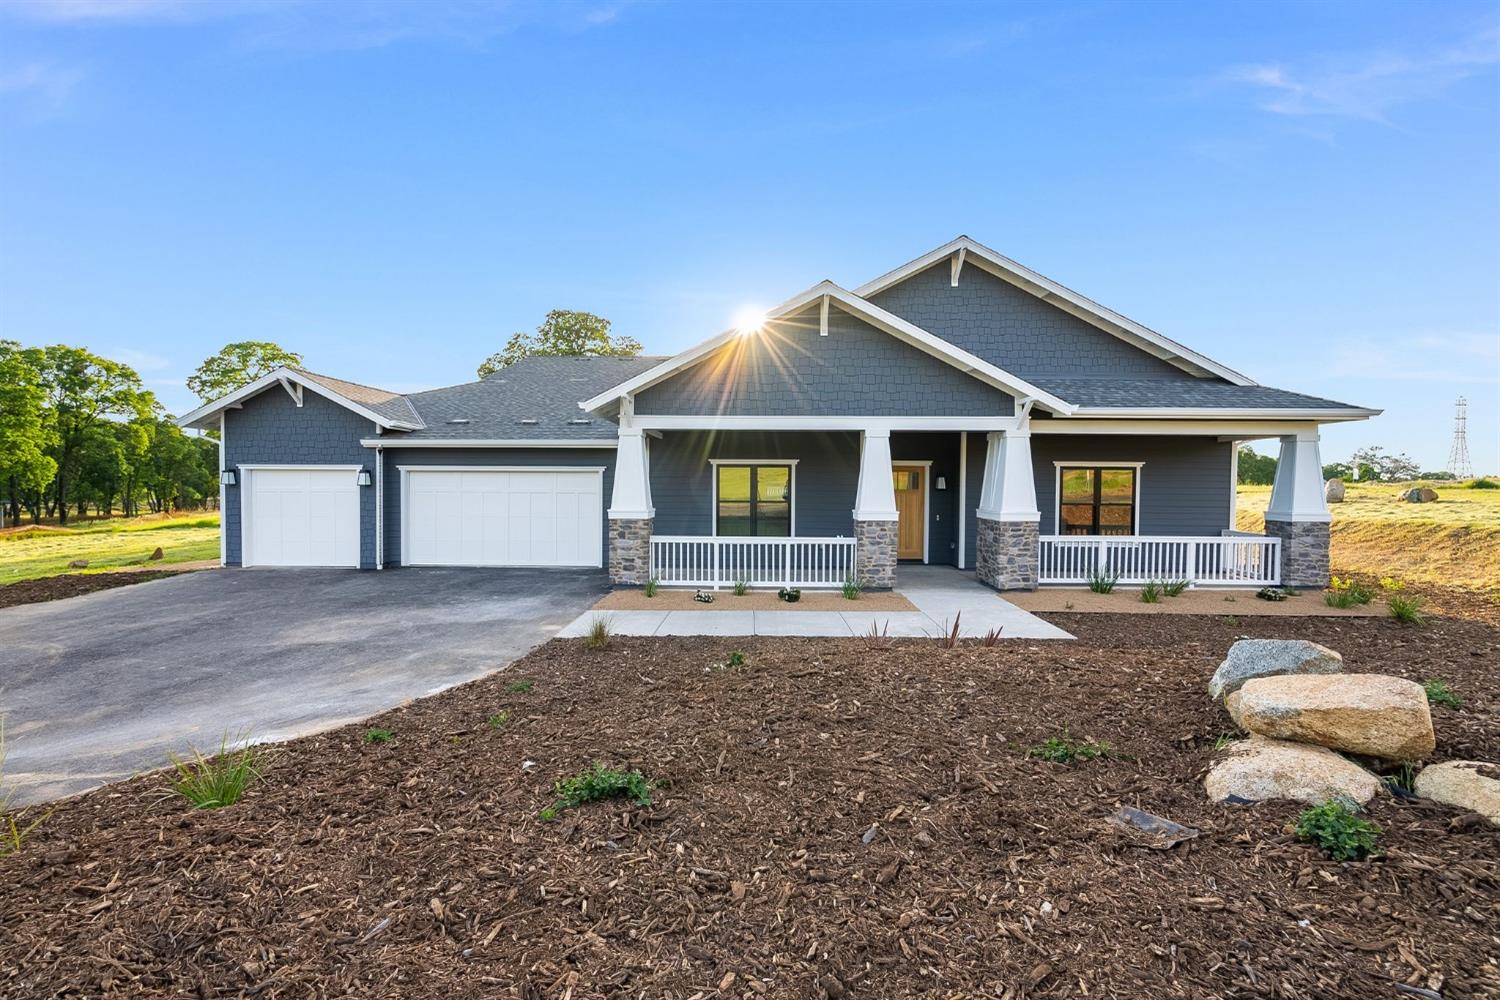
(629, 551)
(1304, 552)
(1007, 554)
(875, 548)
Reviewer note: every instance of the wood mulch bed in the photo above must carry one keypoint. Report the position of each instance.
(842, 821)
(755, 600)
(1204, 601)
(52, 588)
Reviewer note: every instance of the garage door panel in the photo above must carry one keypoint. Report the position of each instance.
(302, 517)
(504, 518)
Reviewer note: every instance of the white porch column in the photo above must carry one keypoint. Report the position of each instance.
(875, 515)
(1008, 550)
(631, 512)
(1298, 514)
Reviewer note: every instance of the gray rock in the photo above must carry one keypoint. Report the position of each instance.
(1258, 769)
(79, 564)
(1333, 491)
(1419, 494)
(1251, 658)
(1468, 784)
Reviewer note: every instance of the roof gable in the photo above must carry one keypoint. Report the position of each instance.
(390, 410)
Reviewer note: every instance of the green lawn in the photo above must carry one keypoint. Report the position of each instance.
(30, 554)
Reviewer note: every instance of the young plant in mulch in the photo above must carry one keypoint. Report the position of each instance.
(1337, 828)
(599, 633)
(1347, 593)
(1065, 750)
(734, 661)
(852, 588)
(1406, 610)
(499, 719)
(741, 587)
(1103, 583)
(1174, 588)
(651, 586)
(1439, 693)
(878, 635)
(12, 833)
(949, 638)
(991, 638)
(379, 735)
(1151, 592)
(1225, 739)
(600, 783)
(217, 781)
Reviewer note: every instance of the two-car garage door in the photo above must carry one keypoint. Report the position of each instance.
(510, 516)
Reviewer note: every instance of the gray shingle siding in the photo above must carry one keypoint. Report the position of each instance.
(478, 457)
(789, 369)
(270, 429)
(1184, 485)
(1014, 329)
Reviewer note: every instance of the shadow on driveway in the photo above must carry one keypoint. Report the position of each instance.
(100, 687)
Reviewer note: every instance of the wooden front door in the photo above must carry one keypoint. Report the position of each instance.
(911, 505)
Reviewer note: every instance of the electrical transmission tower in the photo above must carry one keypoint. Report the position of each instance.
(1458, 455)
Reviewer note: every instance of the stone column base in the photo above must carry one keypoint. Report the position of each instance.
(1007, 554)
(1304, 552)
(875, 550)
(629, 551)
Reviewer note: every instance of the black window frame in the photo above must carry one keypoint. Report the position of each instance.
(755, 467)
(1097, 502)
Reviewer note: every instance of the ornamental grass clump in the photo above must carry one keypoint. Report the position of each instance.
(1347, 593)
(1103, 583)
(1407, 610)
(600, 783)
(217, 781)
(1151, 592)
(852, 588)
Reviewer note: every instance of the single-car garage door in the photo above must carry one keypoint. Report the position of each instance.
(502, 516)
(301, 516)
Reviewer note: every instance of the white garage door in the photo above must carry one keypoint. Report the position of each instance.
(503, 517)
(301, 517)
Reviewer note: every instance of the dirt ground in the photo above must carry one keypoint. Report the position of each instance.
(842, 820)
(755, 600)
(1190, 602)
(52, 588)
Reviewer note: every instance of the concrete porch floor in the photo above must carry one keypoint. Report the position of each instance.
(940, 594)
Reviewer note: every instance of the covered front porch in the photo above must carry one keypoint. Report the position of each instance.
(1027, 503)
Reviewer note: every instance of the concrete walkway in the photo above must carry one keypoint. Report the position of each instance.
(940, 593)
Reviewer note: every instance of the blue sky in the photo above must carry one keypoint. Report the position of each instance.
(1309, 193)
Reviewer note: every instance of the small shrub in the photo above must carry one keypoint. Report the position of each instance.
(379, 736)
(741, 587)
(1174, 588)
(1272, 594)
(790, 595)
(599, 783)
(218, 781)
(1483, 483)
(651, 587)
(598, 634)
(703, 597)
(1103, 583)
(520, 687)
(1439, 693)
(1347, 593)
(1065, 750)
(852, 588)
(499, 719)
(1337, 828)
(1151, 593)
(1407, 610)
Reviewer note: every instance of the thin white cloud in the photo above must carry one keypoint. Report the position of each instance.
(141, 361)
(48, 84)
(120, 11)
(1370, 86)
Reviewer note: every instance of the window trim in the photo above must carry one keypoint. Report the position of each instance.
(713, 509)
(1057, 504)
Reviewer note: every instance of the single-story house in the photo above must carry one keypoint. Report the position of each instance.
(961, 409)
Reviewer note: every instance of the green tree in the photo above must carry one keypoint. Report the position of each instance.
(81, 390)
(1338, 470)
(238, 364)
(25, 466)
(176, 473)
(1374, 464)
(1256, 469)
(564, 333)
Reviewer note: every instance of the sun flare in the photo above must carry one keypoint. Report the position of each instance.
(749, 319)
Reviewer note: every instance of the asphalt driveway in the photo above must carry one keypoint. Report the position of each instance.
(100, 687)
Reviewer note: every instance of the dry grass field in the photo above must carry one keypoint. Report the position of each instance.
(1454, 541)
(31, 552)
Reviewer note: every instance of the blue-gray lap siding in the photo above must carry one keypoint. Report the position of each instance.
(1014, 329)
(788, 369)
(591, 458)
(271, 429)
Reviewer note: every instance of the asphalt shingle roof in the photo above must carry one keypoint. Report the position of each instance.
(391, 405)
(535, 398)
(1194, 393)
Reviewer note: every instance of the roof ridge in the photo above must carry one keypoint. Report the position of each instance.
(345, 381)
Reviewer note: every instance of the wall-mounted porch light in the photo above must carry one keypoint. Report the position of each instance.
(940, 484)
(363, 478)
(226, 478)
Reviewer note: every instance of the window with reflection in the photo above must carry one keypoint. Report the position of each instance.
(754, 500)
(1097, 500)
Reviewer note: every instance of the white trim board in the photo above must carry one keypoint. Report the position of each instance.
(1135, 500)
(713, 509)
(678, 422)
(281, 376)
(1324, 414)
(901, 329)
(603, 443)
(1064, 298)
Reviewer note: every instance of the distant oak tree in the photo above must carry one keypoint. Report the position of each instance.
(564, 333)
(238, 364)
(1256, 469)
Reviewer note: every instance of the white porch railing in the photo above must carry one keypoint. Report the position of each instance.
(1239, 560)
(699, 561)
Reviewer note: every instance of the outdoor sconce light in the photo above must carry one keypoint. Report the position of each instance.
(941, 483)
(363, 478)
(226, 478)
